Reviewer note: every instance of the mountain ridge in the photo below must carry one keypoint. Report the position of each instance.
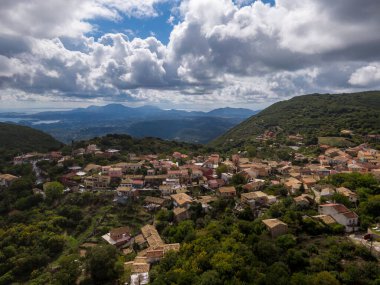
(310, 115)
(84, 123)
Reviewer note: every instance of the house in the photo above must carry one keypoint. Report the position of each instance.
(118, 236)
(255, 185)
(309, 181)
(227, 191)
(125, 191)
(196, 174)
(155, 200)
(93, 168)
(205, 201)
(227, 177)
(105, 169)
(97, 182)
(7, 179)
(253, 198)
(182, 200)
(156, 180)
(166, 190)
(92, 148)
(126, 182)
(152, 236)
(301, 201)
(276, 227)
(347, 193)
(115, 172)
(327, 219)
(327, 192)
(284, 169)
(139, 269)
(341, 214)
(293, 184)
(180, 214)
(213, 183)
(157, 248)
(138, 183)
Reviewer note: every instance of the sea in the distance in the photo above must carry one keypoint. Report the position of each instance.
(33, 122)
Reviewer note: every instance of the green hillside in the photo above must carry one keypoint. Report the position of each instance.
(147, 145)
(16, 138)
(315, 115)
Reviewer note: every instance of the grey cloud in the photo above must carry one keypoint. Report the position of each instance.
(233, 52)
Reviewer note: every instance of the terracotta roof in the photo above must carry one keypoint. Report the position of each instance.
(350, 215)
(327, 219)
(8, 177)
(206, 199)
(272, 223)
(154, 200)
(152, 236)
(121, 230)
(172, 246)
(181, 198)
(140, 267)
(139, 239)
(341, 209)
(230, 189)
(124, 189)
(177, 211)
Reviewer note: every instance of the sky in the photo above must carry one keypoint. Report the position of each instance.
(184, 54)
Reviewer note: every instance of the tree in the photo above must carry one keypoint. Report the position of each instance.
(69, 270)
(278, 273)
(102, 264)
(252, 151)
(221, 169)
(210, 277)
(238, 179)
(53, 191)
(324, 278)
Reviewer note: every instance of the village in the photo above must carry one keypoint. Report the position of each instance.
(179, 181)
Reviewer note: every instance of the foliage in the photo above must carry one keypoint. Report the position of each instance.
(53, 191)
(19, 139)
(103, 265)
(146, 145)
(315, 115)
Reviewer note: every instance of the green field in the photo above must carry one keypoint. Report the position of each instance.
(335, 141)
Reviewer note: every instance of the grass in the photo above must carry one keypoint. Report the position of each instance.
(335, 141)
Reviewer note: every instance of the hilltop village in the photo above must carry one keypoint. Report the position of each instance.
(183, 186)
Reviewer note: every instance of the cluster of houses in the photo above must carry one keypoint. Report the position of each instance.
(150, 245)
(170, 181)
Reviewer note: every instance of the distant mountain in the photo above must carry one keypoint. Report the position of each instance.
(85, 123)
(192, 129)
(310, 115)
(16, 138)
(232, 112)
(146, 145)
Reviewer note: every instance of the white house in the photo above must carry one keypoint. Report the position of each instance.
(341, 214)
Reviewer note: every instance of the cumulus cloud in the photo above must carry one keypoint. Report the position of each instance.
(367, 75)
(55, 18)
(234, 52)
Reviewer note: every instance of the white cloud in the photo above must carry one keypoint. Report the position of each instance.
(56, 18)
(234, 52)
(367, 76)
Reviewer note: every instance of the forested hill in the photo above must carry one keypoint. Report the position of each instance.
(311, 115)
(147, 145)
(16, 138)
